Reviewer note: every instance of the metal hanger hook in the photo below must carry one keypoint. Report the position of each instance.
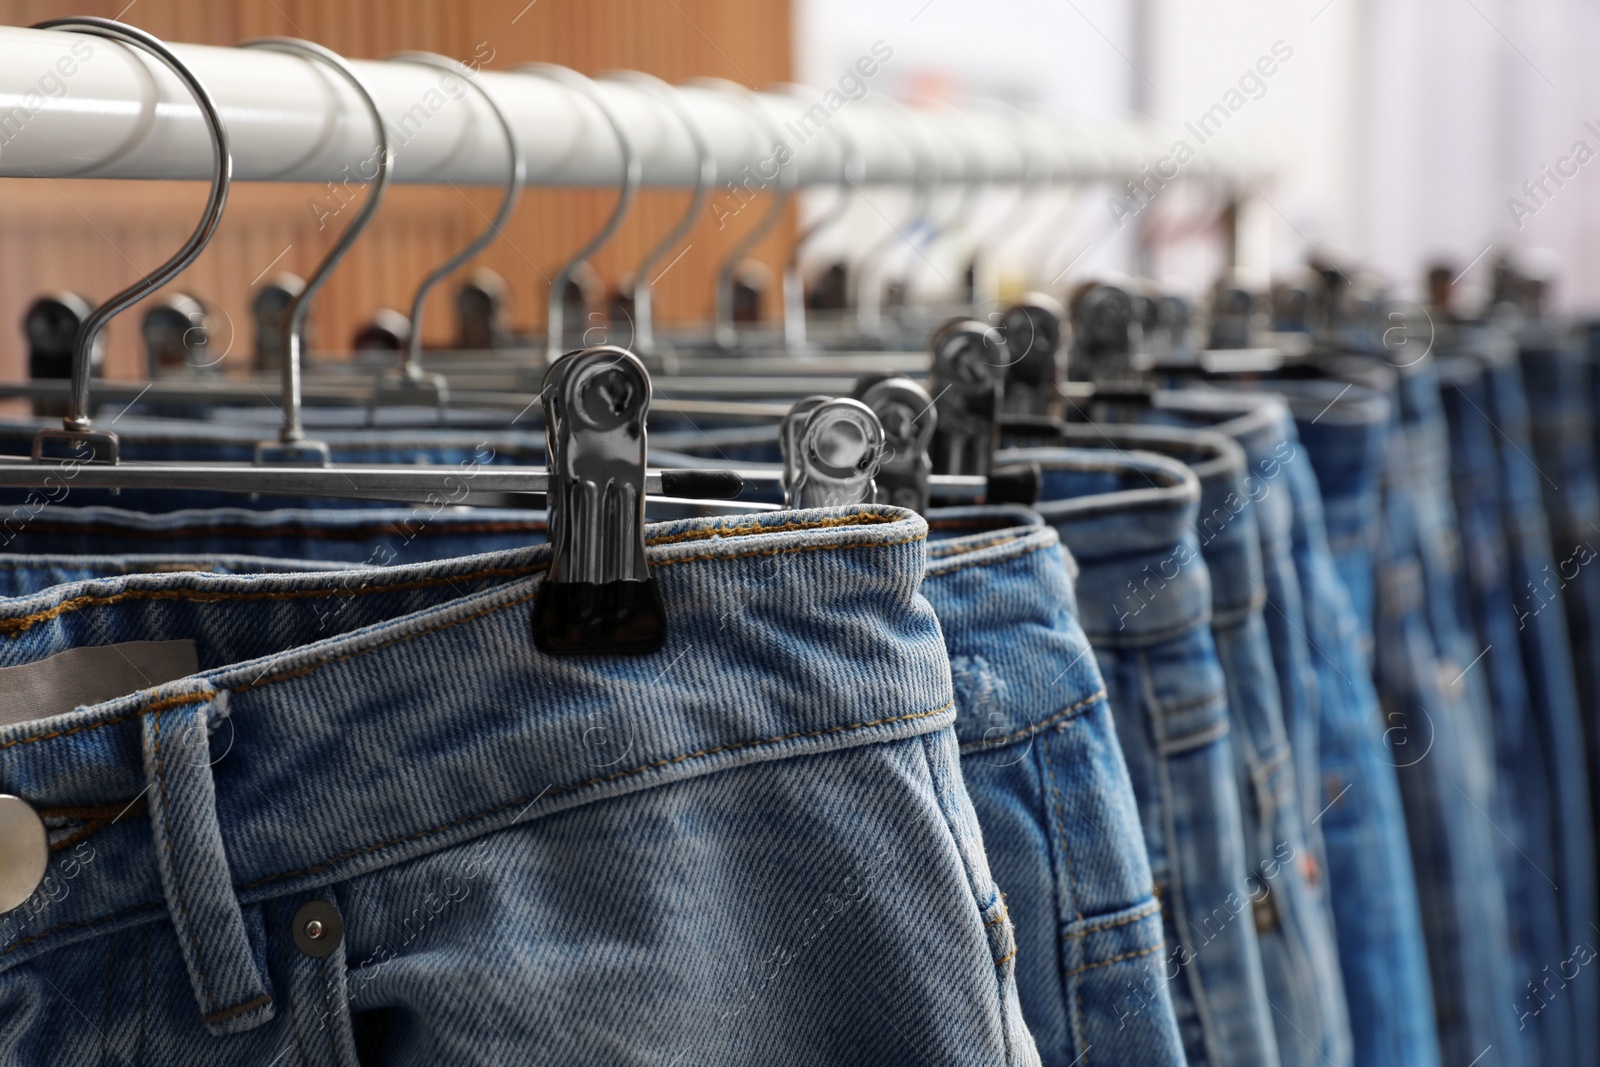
(725, 334)
(516, 178)
(632, 175)
(705, 177)
(293, 433)
(77, 421)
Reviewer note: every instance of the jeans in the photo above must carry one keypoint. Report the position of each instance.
(1359, 818)
(1144, 599)
(1446, 776)
(1040, 757)
(22, 575)
(1525, 811)
(1293, 917)
(1552, 686)
(752, 846)
(374, 536)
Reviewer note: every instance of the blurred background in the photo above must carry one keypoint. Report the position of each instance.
(1404, 133)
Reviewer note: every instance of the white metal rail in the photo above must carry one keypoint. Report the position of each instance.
(79, 106)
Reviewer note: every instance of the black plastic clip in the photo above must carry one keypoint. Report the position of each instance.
(966, 380)
(831, 451)
(598, 596)
(908, 418)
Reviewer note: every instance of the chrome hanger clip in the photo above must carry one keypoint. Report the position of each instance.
(1105, 336)
(831, 459)
(966, 379)
(599, 596)
(1033, 336)
(906, 413)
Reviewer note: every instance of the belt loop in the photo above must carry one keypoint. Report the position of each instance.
(228, 982)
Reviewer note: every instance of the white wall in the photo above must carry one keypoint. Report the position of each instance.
(1404, 126)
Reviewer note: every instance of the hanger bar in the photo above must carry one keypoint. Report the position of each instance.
(123, 115)
(357, 393)
(944, 488)
(398, 482)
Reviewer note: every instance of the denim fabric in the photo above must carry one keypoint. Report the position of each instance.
(1542, 628)
(1525, 812)
(1559, 379)
(1144, 599)
(1446, 778)
(21, 575)
(1293, 917)
(1359, 818)
(752, 846)
(374, 536)
(1040, 757)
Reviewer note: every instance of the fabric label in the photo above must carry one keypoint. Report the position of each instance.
(81, 676)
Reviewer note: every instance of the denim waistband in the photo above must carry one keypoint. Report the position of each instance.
(1228, 540)
(1262, 425)
(1128, 518)
(790, 633)
(1343, 427)
(21, 575)
(1013, 580)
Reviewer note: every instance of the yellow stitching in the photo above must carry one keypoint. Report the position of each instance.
(961, 546)
(159, 705)
(1117, 959)
(761, 528)
(12, 627)
(1007, 958)
(1005, 912)
(939, 572)
(160, 905)
(239, 1009)
(1152, 908)
(599, 780)
(799, 547)
(973, 746)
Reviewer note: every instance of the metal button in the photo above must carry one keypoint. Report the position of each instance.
(24, 851)
(318, 928)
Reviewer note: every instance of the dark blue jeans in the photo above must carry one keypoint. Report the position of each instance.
(1552, 685)
(1525, 809)
(1317, 648)
(1294, 919)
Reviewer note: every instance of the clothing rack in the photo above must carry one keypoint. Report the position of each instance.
(73, 106)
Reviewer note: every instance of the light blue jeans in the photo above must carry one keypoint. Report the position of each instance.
(1040, 756)
(752, 846)
(1144, 600)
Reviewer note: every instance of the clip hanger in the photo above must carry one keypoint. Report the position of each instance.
(1033, 334)
(1105, 331)
(832, 448)
(908, 418)
(598, 596)
(965, 380)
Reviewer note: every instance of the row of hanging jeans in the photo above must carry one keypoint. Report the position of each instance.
(1263, 738)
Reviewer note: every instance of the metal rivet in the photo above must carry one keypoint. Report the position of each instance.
(24, 851)
(318, 928)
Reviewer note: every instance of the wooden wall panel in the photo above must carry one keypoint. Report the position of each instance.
(97, 236)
